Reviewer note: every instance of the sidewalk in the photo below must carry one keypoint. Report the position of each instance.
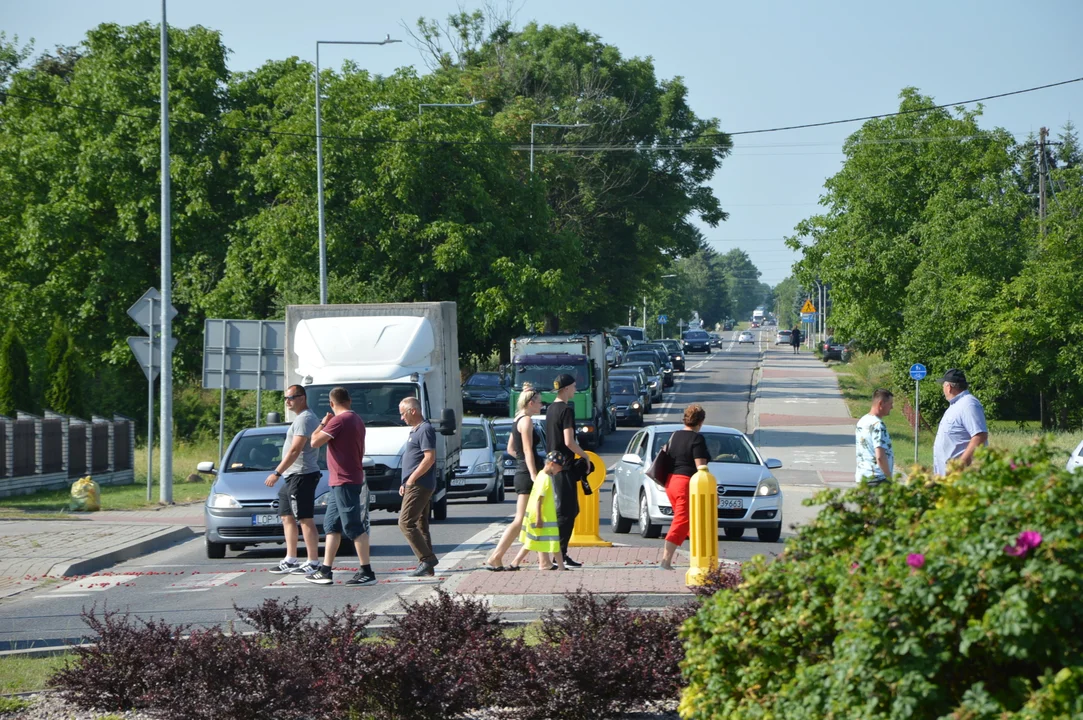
(34, 551)
(799, 417)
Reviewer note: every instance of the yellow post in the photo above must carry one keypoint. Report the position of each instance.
(703, 526)
(585, 532)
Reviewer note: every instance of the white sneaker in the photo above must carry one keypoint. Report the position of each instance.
(306, 568)
(285, 568)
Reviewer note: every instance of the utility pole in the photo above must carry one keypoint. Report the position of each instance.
(165, 423)
(1042, 172)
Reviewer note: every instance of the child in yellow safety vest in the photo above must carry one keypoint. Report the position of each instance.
(540, 532)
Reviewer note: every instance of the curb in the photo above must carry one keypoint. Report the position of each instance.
(152, 543)
(553, 602)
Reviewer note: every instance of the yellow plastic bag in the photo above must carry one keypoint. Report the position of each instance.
(86, 496)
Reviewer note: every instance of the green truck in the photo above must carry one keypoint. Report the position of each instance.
(539, 359)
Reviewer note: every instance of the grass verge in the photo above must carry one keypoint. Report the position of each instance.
(28, 673)
(47, 504)
(866, 372)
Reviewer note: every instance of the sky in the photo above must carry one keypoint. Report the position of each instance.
(752, 65)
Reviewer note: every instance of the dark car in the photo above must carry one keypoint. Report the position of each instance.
(660, 357)
(715, 339)
(727, 326)
(676, 353)
(696, 341)
(486, 393)
(641, 377)
(624, 393)
(501, 430)
(833, 350)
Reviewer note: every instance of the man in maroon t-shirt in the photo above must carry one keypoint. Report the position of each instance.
(343, 431)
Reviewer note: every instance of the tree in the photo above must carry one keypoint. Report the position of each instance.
(64, 394)
(15, 393)
(743, 280)
(1069, 154)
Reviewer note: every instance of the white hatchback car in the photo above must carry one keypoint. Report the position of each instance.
(748, 494)
(1076, 460)
(746, 337)
(477, 473)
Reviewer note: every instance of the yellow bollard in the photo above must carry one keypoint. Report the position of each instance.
(585, 532)
(703, 526)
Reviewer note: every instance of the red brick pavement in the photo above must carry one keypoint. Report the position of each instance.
(777, 420)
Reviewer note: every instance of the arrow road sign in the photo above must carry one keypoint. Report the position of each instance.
(141, 312)
(148, 354)
(918, 371)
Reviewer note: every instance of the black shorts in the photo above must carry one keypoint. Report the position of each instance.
(522, 482)
(297, 497)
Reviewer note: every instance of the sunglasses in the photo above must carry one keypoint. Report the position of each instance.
(293, 397)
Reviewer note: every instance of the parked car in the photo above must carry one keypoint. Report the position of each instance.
(639, 374)
(696, 341)
(654, 377)
(614, 351)
(240, 510)
(783, 337)
(624, 392)
(749, 496)
(746, 337)
(661, 352)
(477, 473)
(486, 393)
(1076, 460)
(833, 350)
(676, 353)
(502, 428)
(654, 356)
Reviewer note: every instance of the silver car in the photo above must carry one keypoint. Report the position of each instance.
(746, 337)
(240, 510)
(654, 377)
(477, 473)
(749, 496)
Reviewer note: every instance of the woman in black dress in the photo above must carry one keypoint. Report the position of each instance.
(689, 453)
(521, 447)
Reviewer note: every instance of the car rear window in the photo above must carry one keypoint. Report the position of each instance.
(695, 335)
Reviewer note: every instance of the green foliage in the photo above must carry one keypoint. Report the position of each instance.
(15, 393)
(64, 394)
(851, 623)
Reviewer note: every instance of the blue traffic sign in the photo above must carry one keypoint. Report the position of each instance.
(808, 317)
(918, 371)
(662, 319)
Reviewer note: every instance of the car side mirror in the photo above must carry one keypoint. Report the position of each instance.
(632, 459)
(206, 467)
(448, 424)
(772, 463)
(274, 418)
(368, 463)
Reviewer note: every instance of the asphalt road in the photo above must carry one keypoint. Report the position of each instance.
(182, 586)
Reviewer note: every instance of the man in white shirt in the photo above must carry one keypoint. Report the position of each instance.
(875, 456)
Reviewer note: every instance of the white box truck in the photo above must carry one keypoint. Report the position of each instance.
(382, 354)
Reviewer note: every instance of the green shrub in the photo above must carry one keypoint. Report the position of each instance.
(15, 391)
(922, 600)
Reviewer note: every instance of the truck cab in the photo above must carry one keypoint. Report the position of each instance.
(381, 355)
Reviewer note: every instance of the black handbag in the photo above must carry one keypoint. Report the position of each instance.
(662, 467)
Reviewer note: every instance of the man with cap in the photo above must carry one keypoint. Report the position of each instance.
(963, 428)
(560, 436)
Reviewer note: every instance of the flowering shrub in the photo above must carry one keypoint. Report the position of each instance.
(954, 597)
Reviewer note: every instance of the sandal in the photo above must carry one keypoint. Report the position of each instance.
(493, 568)
(510, 568)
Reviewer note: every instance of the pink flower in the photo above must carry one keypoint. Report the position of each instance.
(915, 560)
(1027, 541)
(853, 568)
(1013, 466)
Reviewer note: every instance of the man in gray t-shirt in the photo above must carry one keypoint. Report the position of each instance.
(297, 496)
(417, 485)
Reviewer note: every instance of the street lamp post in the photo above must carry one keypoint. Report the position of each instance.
(663, 327)
(319, 155)
(551, 125)
(472, 103)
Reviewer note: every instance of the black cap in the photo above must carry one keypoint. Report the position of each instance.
(563, 381)
(954, 375)
(555, 456)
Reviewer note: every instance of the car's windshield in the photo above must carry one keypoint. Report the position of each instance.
(695, 335)
(542, 376)
(484, 379)
(261, 452)
(650, 367)
(672, 345)
(620, 386)
(632, 333)
(376, 403)
(475, 437)
(724, 448)
(642, 356)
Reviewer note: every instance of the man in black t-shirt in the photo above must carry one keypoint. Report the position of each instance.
(560, 435)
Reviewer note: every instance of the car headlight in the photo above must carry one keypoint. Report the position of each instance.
(586, 428)
(221, 500)
(679, 358)
(636, 406)
(654, 383)
(321, 501)
(768, 486)
(483, 468)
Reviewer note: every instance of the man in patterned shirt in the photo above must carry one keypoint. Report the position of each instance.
(875, 457)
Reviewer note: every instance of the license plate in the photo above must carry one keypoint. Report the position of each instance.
(266, 520)
(729, 504)
(458, 482)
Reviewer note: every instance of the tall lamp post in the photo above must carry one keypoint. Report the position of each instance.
(420, 106)
(319, 155)
(548, 125)
(645, 302)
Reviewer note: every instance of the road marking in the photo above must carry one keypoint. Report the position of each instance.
(474, 543)
(201, 583)
(815, 457)
(95, 583)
